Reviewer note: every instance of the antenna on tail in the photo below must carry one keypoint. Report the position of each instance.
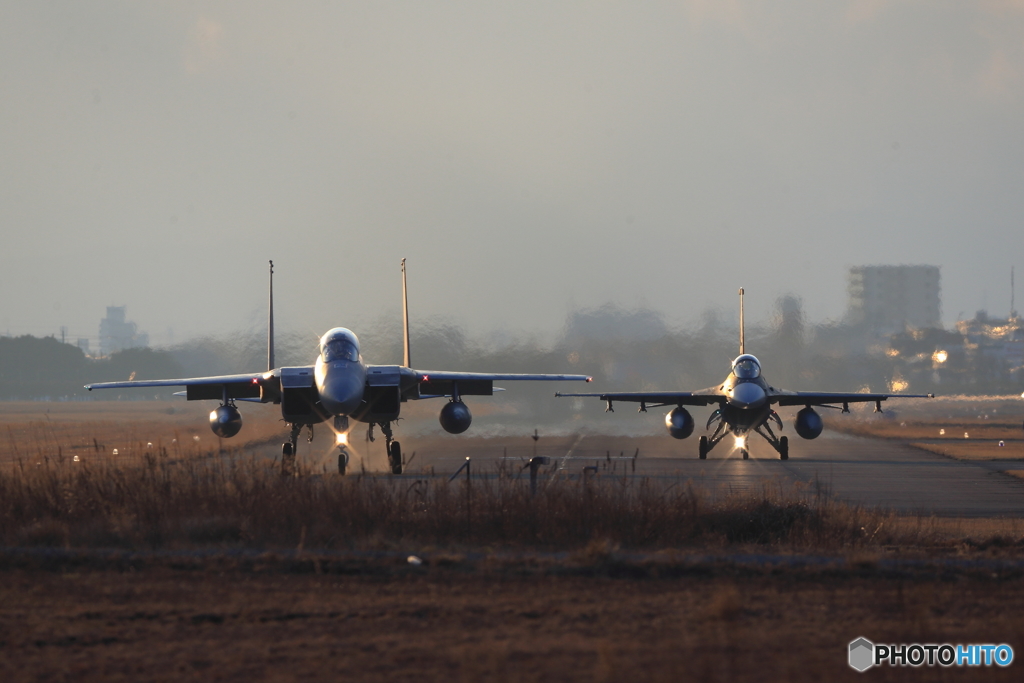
(407, 359)
(742, 335)
(270, 323)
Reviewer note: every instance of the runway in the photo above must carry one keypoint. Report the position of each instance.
(872, 472)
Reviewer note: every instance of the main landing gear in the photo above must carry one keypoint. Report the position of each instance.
(393, 448)
(290, 448)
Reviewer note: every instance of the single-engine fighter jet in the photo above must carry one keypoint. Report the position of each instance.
(338, 385)
(745, 404)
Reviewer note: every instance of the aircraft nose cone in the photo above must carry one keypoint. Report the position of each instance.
(341, 393)
(746, 395)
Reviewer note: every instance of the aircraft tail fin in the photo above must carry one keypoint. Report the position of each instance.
(407, 355)
(742, 331)
(270, 323)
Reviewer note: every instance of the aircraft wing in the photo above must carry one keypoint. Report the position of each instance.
(200, 388)
(680, 398)
(440, 383)
(820, 398)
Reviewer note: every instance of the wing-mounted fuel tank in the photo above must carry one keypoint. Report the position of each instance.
(455, 417)
(300, 401)
(226, 421)
(679, 423)
(808, 423)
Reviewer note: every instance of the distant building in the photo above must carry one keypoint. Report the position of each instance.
(997, 340)
(891, 299)
(118, 334)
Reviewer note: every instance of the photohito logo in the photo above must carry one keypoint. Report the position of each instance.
(863, 654)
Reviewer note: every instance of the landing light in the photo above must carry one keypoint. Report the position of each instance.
(741, 441)
(342, 438)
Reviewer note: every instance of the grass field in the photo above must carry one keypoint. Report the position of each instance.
(191, 559)
(968, 429)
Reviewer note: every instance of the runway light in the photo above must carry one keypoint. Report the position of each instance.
(1001, 444)
(342, 438)
(942, 432)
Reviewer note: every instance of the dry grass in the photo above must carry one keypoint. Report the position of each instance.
(174, 491)
(180, 499)
(595, 612)
(32, 431)
(937, 429)
(960, 430)
(973, 450)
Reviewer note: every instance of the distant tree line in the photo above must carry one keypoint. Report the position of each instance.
(623, 349)
(34, 368)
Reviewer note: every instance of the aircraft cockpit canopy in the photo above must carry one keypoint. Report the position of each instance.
(746, 367)
(339, 344)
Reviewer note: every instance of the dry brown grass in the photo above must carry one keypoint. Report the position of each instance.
(179, 492)
(32, 431)
(973, 450)
(195, 499)
(965, 430)
(593, 613)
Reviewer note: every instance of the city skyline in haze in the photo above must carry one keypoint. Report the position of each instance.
(528, 160)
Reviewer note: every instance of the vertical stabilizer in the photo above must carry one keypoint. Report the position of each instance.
(407, 356)
(742, 333)
(270, 323)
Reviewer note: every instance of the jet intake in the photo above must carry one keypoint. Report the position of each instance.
(226, 421)
(808, 423)
(679, 423)
(455, 417)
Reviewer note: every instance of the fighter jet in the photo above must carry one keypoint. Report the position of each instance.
(338, 386)
(745, 403)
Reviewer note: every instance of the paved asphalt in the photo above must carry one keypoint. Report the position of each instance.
(873, 472)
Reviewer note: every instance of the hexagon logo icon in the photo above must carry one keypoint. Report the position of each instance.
(862, 654)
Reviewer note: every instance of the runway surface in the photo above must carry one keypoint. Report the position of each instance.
(872, 472)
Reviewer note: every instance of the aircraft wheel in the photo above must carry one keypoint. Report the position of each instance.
(342, 461)
(746, 454)
(702, 447)
(395, 457)
(287, 460)
(784, 448)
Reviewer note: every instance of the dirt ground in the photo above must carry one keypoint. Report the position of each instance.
(468, 623)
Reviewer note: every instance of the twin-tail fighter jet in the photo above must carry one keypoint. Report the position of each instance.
(341, 386)
(745, 403)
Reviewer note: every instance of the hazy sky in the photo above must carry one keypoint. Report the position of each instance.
(527, 158)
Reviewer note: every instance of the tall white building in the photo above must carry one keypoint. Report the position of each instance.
(890, 299)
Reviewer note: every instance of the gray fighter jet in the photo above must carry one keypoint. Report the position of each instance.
(745, 403)
(341, 386)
